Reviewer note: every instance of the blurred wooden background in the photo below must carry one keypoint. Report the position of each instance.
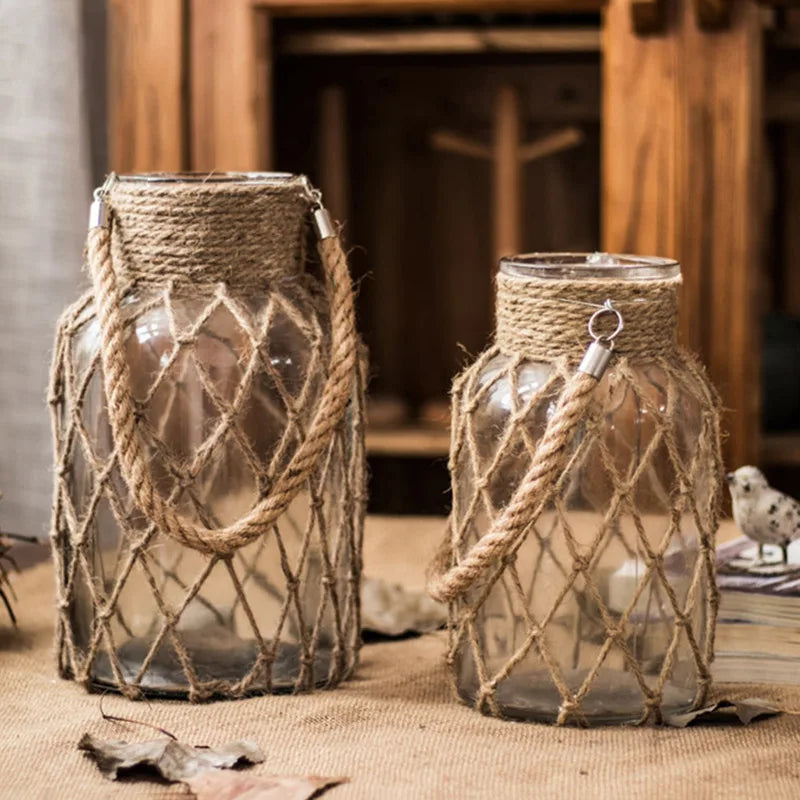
(445, 132)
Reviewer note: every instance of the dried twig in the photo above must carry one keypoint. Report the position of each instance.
(114, 718)
(19, 537)
(5, 583)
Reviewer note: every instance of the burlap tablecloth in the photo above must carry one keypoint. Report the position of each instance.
(394, 730)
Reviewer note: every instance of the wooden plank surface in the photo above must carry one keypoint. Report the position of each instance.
(230, 86)
(780, 450)
(639, 132)
(409, 440)
(334, 166)
(720, 152)
(439, 40)
(790, 200)
(146, 87)
(334, 8)
(682, 151)
(507, 194)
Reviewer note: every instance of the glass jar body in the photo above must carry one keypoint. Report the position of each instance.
(224, 391)
(586, 566)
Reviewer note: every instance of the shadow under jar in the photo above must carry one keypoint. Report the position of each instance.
(599, 610)
(227, 339)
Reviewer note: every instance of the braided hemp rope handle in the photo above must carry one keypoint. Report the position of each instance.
(445, 584)
(131, 451)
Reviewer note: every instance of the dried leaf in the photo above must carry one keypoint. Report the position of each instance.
(745, 711)
(171, 760)
(236, 786)
(754, 707)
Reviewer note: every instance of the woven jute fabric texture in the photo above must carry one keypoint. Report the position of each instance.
(550, 435)
(395, 730)
(244, 379)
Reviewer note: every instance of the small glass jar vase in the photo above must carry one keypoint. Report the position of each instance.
(579, 563)
(207, 409)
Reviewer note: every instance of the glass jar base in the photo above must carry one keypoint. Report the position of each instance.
(615, 697)
(166, 678)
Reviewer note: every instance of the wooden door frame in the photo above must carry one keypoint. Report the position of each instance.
(172, 109)
(683, 127)
(334, 8)
(190, 87)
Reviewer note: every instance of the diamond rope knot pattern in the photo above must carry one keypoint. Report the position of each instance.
(224, 386)
(602, 608)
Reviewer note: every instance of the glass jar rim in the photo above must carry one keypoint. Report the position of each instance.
(589, 266)
(210, 177)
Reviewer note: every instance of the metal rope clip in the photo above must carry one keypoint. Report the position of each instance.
(598, 354)
(98, 211)
(323, 224)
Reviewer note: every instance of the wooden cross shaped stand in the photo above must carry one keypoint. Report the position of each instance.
(508, 154)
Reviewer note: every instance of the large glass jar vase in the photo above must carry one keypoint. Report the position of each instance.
(600, 612)
(226, 378)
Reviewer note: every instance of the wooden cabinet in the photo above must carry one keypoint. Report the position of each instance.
(671, 126)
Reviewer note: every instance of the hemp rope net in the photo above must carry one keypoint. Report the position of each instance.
(232, 250)
(544, 320)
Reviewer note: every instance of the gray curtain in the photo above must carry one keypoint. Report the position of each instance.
(46, 167)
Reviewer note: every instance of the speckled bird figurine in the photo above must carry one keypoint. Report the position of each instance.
(762, 513)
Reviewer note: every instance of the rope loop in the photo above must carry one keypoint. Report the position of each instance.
(533, 491)
(125, 418)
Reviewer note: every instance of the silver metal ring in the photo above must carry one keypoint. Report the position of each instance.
(606, 309)
(314, 194)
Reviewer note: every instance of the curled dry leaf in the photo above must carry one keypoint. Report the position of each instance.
(744, 711)
(236, 786)
(170, 759)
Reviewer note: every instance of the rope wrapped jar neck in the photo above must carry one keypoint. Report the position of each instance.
(545, 319)
(243, 230)
(182, 243)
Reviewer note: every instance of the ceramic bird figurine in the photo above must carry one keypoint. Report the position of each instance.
(762, 513)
